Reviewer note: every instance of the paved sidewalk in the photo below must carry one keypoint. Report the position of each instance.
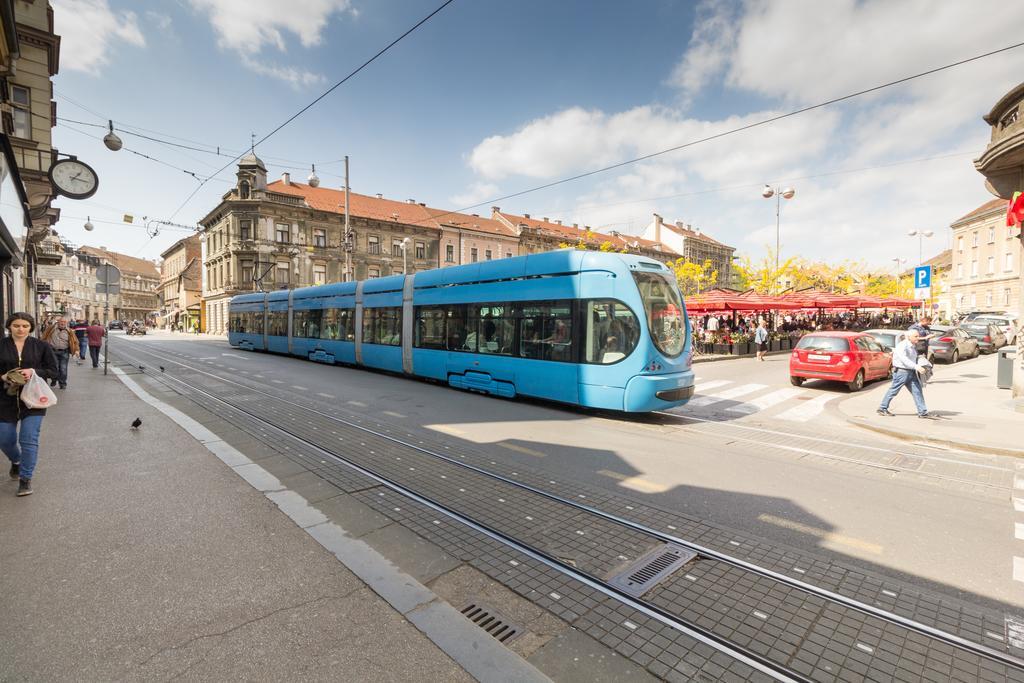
(971, 413)
(142, 556)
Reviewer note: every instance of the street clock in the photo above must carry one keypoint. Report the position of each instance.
(73, 178)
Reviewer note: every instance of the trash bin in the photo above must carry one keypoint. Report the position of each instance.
(1004, 369)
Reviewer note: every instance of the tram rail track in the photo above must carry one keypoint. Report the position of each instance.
(754, 659)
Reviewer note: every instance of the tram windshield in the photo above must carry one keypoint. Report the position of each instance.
(664, 309)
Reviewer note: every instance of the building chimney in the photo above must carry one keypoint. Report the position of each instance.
(422, 204)
(476, 215)
(546, 219)
(526, 215)
(286, 178)
(380, 196)
(410, 201)
(495, 209)
(697, 230)
(557, 222)
(657, 228)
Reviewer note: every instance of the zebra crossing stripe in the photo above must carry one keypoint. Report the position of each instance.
(726, 395)
(807, 410)
(766, 401)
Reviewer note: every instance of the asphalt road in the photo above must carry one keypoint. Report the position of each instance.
(783, 467)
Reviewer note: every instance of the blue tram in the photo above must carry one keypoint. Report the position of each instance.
(589, 328)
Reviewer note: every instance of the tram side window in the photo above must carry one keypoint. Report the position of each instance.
(277, 323)
(430, 327)
(306, 324)
(235, 323)
(338, 324)
(382, 326)
(247, 322)
(612, 331)
(546, 330)
(490, 329)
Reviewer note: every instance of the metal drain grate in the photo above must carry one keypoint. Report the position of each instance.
(492, 622)
(648, 571)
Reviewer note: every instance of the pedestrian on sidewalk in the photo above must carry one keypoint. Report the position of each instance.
(94, 334)
(905, 364)
(761, 339)
(19, 424)
(79, 327)
(924, 330)
(64, 344)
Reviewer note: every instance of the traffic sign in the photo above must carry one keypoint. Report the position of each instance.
(108, 289)
(922, 277)
(108, 275)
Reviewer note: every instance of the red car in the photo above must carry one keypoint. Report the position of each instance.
(852, 358)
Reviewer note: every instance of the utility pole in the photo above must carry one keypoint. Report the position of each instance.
(348, 232)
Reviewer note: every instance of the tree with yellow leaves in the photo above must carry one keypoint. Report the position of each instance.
(693, 278)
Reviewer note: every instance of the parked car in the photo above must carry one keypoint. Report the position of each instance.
(114, 325)
(990, 337)
(1007, 322)
(887, 337)
(950, 344)
(852, 358)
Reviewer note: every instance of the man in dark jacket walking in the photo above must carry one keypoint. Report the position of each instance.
(64, 344)
(94, 334)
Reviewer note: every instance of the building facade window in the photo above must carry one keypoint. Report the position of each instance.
(974, 239)
(473, 255)
(959, 271)
(960, 244)
(1006, 296)
(396, 247)
(281, 274)
(1008, 261)
(373, 272)
(319, 274)
(282, 233)
(421, 250)
(988, 298)
(246, 274)
(508, 254)
(991, 235)
(974, 300)
(487, 255)
(991, 264)
(21, 104)
(449, 254)
(372, 244)
(974, 269)
(319, 237)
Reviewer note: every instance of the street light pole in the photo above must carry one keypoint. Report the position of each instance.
(921, 234)
(768, 192)
(348, 232)
(405, 253)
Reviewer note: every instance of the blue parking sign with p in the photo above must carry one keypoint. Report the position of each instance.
(922, 277)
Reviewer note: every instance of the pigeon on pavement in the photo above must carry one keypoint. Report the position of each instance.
(161, 368)
(137, 423)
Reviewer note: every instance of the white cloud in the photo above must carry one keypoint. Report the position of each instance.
(475, 193)
(162, 21)
(247, 26)
(297, 78)
(791, 53)
(89, 31)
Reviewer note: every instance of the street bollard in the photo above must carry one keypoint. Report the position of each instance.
(1004, 368)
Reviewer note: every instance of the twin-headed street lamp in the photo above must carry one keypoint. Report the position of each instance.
(788, 193)
(920, 234)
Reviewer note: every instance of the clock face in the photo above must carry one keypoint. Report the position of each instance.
(74, 179)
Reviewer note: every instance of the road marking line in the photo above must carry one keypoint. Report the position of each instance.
(326, 395)
(296, 386)
(1018, 531)
(523, 449)
(823, 534)
(636, 483)
(714, 383)
(808, 410)
(356, 403)
(766, 401)
(392, 413)
(277, 381)
(718, 397)
(446, 429)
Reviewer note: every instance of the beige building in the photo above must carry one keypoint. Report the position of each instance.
(140, 284)
(181, 287)
(542, 234)
(986, 261)
(695, 246)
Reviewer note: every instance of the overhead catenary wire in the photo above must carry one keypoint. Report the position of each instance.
(327, 92)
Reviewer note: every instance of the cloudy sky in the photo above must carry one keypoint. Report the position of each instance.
(491, 97)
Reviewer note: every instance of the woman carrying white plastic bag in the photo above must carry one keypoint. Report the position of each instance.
(20, 424)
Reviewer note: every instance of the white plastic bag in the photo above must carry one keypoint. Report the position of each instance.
(37, 393)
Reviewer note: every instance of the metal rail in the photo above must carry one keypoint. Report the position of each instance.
(752, 659)
(710, 553)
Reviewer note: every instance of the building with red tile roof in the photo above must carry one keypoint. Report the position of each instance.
(694, 245)
(986, 265)
(544, 235)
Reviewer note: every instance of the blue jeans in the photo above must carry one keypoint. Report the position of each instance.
(22, 446)
(63, 356)
(82, 343)
(912, 381)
